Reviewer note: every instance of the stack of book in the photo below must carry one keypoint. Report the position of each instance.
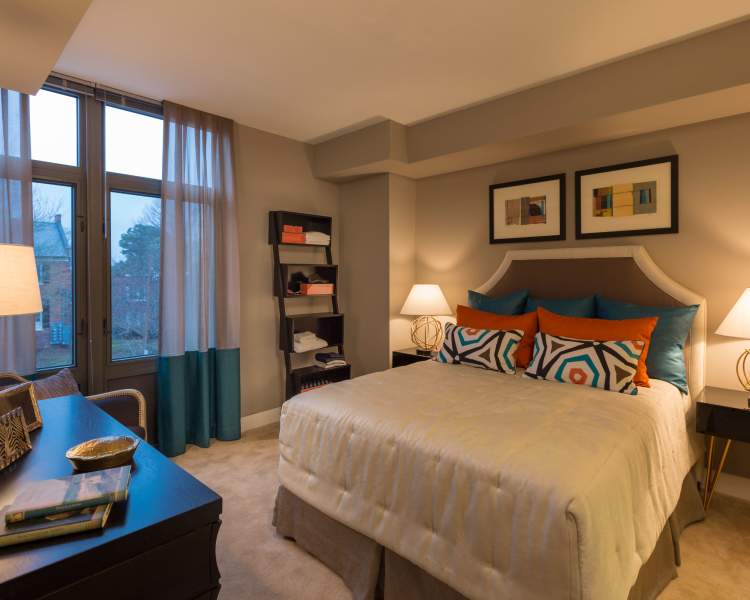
(292, 234)
(295, 234)
(56, 507)
(328, 360)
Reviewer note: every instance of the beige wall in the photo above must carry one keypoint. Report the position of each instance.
(378, 217)
(710, 255)
(688, 81)
(273, 173)
(364, 272)
(402, 206)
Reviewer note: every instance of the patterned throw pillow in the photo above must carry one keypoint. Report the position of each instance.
(61, 383)
(605, 365)
(484, 348)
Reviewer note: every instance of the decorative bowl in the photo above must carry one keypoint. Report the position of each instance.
(102, 453)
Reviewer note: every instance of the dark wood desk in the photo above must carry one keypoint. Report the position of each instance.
(160, 543)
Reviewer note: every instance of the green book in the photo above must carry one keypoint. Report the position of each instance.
(66, 494)
(87, 519)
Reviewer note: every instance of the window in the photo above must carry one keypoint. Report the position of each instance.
(133, 160)
(54, 128)
(96, 233)
(53, 243)
(133, 143)
(135, 228)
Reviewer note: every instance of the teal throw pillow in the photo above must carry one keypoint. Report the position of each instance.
(510, 304)
(666, 354)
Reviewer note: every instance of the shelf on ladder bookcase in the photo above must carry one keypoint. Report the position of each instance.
(327, 325)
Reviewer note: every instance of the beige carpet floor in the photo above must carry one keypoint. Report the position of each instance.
(256, 564)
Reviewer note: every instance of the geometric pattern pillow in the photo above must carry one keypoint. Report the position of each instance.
(605, 365)
(484, 348)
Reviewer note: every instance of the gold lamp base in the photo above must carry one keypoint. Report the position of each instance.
(426, 334)
(742, 373)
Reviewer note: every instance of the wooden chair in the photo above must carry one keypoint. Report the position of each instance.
(8, 378)
(119, 404)
(128, 406)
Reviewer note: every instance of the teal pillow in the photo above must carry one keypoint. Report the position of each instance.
(573, 307)
(511, 304)
(666, 355)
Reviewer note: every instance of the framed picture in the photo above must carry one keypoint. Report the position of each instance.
(637, 198)
(22, 396)
(14, 438)
(528, 210)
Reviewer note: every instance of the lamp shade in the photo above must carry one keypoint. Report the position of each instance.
(426, 299)
(737, 322)
(19, 286)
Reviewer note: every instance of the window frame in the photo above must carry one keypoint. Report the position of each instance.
(75, 177)
(93, 368)
(127, 184)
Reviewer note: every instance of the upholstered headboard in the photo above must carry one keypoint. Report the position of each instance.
(624, 273)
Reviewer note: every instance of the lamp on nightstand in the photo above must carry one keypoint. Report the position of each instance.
(737, 324)
(425, 301)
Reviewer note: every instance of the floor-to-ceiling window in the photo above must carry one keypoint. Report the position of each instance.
(97, 159)
(58, 203)
(133, 164)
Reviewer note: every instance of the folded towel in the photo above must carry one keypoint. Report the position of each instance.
(325, 356)
(303, 335)
(293, 229)
(317, 237)
(330, 364)
(308, 344)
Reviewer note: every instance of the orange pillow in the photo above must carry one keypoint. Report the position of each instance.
(603, 330)
(479, 319)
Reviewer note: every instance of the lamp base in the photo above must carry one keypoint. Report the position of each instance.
(426, 334)
(421, 352)
(742, 372)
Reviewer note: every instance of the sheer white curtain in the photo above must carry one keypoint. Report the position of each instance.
(17, 336)
(199, 379)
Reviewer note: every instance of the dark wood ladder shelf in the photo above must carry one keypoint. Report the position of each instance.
(326, 325)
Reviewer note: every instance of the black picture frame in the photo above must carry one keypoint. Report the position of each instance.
(672, 159)
(560, 177)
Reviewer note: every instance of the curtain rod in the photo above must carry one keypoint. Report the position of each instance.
(93, 87)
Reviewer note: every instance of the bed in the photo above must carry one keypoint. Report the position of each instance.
(446, 481)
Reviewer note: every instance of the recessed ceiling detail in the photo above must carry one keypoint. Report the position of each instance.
(32, 36)
(304, 70)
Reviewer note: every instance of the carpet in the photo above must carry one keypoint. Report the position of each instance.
(257, 564)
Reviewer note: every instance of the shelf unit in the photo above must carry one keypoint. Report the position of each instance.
(328, 325)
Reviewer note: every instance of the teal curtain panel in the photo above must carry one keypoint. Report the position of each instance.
(199, 346)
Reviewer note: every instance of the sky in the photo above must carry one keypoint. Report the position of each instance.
(133, 146)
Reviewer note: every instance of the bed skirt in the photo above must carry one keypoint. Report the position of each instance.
(373, 572)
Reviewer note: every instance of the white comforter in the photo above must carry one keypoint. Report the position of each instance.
(502, 487)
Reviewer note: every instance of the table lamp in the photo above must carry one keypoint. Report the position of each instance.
(19, 286)
(737, 324)
(425, 301)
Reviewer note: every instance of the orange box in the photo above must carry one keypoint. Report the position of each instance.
(315, 289)
(292, 238)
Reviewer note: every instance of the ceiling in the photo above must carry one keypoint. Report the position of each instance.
(308, 70)
(32, 36)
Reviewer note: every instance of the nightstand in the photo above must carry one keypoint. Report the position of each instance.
(408, 356)
(725, 414)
